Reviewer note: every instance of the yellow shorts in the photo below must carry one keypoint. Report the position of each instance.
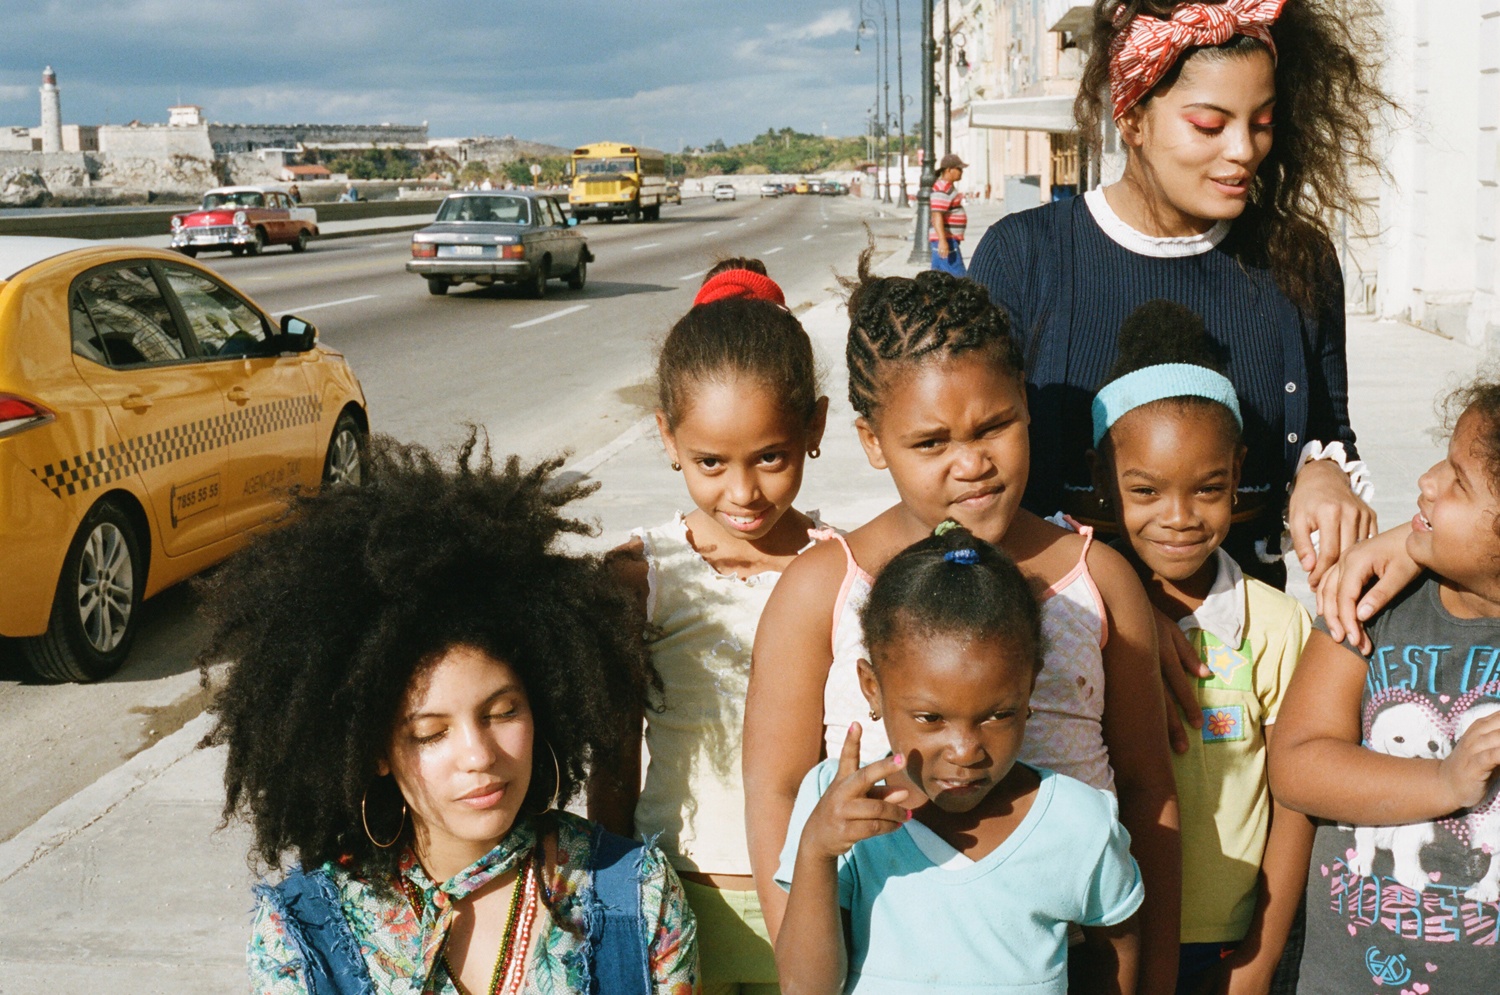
(734, 948)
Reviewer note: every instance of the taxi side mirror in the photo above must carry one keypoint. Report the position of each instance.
(297, 335)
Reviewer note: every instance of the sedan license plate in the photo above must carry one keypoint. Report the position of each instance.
(468, 250)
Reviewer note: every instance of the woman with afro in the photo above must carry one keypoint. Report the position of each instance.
(419, 681)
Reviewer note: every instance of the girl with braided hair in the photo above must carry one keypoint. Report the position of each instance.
(1244, 123)
(420, 680)
(935, 376)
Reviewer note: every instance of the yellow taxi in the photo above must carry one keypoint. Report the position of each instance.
(151, 416)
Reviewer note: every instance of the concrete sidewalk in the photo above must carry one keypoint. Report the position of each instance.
(129, 887)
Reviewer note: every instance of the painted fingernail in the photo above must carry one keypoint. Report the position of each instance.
(908, 813)
(900, 760)
(853, 726)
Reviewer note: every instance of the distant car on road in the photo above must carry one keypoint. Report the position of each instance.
(509, 236)
(723, 191)
(672, 195)
(151, 418)
(244, 220)
(832, 188)
(770, 190)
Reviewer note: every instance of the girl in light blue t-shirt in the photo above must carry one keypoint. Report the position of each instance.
(976, 882)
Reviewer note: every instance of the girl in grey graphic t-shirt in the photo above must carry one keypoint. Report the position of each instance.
(1399, 752)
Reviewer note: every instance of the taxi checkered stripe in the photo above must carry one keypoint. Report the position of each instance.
(97, 468)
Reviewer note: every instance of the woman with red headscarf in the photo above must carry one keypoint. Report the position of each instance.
(1242, 123)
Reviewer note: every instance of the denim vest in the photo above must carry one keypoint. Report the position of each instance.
(308, 903)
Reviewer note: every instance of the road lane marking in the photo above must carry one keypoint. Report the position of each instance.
(807, 238)
(315, 307)
(693, 276)
(710, 234)
(648, 245)
(622, 442)
(548, 317)
(772, 251)
(740, 225)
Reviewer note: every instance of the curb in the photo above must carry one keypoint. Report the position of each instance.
(88, 806)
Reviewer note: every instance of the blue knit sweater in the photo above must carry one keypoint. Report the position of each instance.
(1068, 287)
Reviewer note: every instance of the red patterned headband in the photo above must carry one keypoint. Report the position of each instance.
(1148, 47)
(740, 283)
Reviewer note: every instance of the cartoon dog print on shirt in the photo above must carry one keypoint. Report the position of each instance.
(1412, 729)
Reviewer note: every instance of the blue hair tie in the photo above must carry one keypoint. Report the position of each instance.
(968, 557)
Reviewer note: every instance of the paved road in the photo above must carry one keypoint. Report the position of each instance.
(574, 375)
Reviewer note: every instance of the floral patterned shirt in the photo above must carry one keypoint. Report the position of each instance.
(403, 951)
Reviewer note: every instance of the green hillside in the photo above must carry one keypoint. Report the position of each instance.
(784, 151)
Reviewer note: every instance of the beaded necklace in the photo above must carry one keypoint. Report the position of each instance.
(510, 965)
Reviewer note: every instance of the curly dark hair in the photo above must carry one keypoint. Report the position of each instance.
(1162, 331)
(952, 582)
(1481, 396)
(330, 618)
(1328, 105)
(896, 319)
(738, 336)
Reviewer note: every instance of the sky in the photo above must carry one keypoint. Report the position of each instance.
(661, 72)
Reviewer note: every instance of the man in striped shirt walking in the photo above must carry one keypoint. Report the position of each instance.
(948, 218)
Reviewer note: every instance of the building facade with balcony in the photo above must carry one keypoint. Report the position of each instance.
(1013, 68)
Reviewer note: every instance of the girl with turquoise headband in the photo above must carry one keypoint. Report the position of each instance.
(1167, 460)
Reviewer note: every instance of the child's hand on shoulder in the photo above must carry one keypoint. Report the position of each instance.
(1467, 771)
(856, 806)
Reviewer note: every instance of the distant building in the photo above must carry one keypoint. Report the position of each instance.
(305, 173)
(184, 116)
(1015, 66)
(51, 130)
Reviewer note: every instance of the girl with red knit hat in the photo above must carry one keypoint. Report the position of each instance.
(740, 411)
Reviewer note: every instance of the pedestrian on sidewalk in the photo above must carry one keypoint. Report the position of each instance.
(936, 377)
(740, 413)
(419, 682)
(948, 217)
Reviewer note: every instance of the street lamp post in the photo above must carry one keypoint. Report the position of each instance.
(947, 80)
(901, 105)
(919, 251)
(885, 31)
(875, 137)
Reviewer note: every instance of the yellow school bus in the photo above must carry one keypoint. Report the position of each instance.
(610, 179)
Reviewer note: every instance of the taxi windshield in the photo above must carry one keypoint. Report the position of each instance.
(593, 167)
(506, 210)
(236, 198)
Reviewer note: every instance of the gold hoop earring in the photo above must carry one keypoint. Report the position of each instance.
(1236, 499)
(677, 467)
(814, 453)
(874, 715)
(366, 820)
(556, 779)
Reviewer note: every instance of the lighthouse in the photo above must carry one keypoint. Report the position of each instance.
(51, 112)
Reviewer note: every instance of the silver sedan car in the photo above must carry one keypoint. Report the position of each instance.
(509, 236)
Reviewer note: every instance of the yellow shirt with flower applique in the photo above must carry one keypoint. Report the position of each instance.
(1250, 635)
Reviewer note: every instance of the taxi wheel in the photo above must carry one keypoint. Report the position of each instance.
(579, 276)
(259, 245)
(344, 465)
(238, 250)
(301, 244)
(95, 611)
(437, 285)
(189, 251)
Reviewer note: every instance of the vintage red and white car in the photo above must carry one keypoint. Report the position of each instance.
(244, 220)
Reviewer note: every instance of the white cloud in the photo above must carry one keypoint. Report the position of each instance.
(832, 23)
